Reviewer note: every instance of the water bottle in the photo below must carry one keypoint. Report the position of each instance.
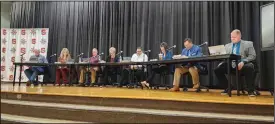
(120, 58)
(79, 60)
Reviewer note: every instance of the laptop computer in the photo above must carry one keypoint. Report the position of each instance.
(126, 59)
(32, 60)
(217, 50)
(85, 60)
(70, 61)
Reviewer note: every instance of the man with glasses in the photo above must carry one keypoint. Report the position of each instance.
(139, 56)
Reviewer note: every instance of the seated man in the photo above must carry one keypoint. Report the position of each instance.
(33, 71)
(94, 59)
(139, 56)
(245, 66)
(111, 70)
(190, 50)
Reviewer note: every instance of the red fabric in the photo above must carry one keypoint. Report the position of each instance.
(112, 59)
(61, 72)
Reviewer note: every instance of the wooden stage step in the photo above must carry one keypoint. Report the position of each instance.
(124, 105)
(102, 114)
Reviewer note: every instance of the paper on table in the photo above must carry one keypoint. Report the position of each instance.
(179, 57)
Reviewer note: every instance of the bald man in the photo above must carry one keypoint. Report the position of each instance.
(245, 66)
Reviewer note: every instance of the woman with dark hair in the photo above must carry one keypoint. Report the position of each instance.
(164, 55)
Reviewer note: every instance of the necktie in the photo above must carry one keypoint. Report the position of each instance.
(234, 52)
(235, 49)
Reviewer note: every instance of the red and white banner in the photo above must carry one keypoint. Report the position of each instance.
(15, 42)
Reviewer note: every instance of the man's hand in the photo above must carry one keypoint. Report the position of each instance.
(240, 65)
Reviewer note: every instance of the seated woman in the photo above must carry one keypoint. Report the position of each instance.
(110, 70)
(166, 55)
(94, 59)
(62, 70)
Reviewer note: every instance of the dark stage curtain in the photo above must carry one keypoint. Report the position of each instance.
(81, 26)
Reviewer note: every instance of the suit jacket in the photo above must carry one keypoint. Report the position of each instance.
(108, 59)
(112, 68)
(247, 51)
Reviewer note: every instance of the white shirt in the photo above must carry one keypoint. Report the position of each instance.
(139, 58)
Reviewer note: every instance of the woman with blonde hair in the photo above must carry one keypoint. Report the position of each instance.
(62, 70)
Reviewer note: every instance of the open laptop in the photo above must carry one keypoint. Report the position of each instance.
(85, 60)
(70, 61)
(32, 60)
(217, 50)
(126, 59)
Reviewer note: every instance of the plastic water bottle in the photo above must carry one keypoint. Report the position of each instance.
(120, 58)
(79, 60)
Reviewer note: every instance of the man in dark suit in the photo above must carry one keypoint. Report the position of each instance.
(245, 66)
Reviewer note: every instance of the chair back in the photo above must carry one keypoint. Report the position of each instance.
(203, 69)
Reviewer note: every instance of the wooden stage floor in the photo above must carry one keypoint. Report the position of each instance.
(212, 96)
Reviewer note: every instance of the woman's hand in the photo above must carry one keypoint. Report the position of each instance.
(62, 61)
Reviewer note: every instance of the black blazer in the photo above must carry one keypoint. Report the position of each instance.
(108, 59)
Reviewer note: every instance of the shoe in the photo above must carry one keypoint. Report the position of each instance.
(35, 84)
(257, 93)
(28, 83)
(81, 84)
(87, 84)
(225, 92)
(142, 84)
(145, 84)
(196, 86)
(119, 85)
(175, 89)
(251, 94)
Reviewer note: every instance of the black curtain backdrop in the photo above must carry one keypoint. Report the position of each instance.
(81, 26)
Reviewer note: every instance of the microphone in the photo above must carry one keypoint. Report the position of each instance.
(172, 47)
(148, 51)
(100, 54)
(205, 43)
(80, 55)
(53, 55)
(22, 54)
(119, 53)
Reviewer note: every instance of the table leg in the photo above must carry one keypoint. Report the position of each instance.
(237, 78)
(14, 75)
(229, 77)
(70, 68)
(20, 73)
